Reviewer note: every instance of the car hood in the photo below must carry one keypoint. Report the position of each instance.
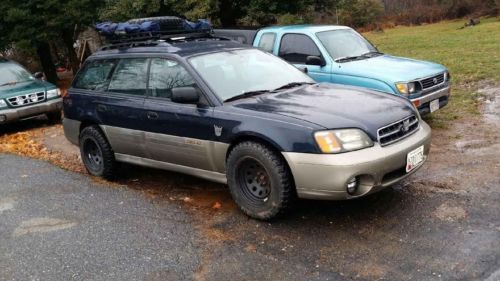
(391, 69)
(333, 106)
(27, 87)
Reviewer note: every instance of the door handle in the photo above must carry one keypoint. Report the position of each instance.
(102, 108)
(152, 115)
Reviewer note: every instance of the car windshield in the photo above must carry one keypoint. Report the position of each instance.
(345, 43)
(11, 73)
(233, 73)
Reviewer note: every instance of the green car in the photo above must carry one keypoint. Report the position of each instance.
(23, 95)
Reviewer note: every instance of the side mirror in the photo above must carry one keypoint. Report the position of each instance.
(303, 69)
(189, 95)
(315, 60)
(38, 75)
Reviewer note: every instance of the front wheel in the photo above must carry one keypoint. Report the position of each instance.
(97, 154)
(259, 180)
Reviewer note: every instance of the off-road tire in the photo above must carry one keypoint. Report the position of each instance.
(54, 117)
(108, 167)
(281, 195)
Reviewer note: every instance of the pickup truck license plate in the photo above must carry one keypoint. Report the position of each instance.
(434, 105)
(414, 158)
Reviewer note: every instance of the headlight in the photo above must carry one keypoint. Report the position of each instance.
(2, 103)
(337, 141)
(406, 88)
(53, 93)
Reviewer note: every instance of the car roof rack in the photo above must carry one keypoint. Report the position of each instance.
(159, 38)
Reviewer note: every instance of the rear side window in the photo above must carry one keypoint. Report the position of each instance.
(267, 42)
(165, 75)
(130, 77)
(95, 75)
(295, 48)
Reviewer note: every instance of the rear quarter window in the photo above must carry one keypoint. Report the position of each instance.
(95, 75)
(267, 42)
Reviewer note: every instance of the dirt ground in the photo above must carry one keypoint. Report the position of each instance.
(442, 223)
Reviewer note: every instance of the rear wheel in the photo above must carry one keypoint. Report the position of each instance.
(97, 154)
(259, 180)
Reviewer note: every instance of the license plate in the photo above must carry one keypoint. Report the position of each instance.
(434, 105)
(414, 158)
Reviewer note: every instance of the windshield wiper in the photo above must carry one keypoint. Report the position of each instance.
(292, 85)
(372, 54)
(341, 59)
(9, 83)
(247, 95)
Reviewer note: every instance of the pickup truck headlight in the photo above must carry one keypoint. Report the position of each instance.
(338, 141)
(406, 88)
(53, 93)
(447, 76)
(2, 103)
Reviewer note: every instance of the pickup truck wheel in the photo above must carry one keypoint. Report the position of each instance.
(259, 180)
(97, 154)
(54, 117)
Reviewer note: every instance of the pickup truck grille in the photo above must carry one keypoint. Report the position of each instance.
(23, 100)
(432, 81)
(397, 131)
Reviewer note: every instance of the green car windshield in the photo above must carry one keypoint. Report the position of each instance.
(11, 73)
(345, 43)
(235, 72)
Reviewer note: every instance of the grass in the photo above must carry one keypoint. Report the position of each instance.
(472, 54)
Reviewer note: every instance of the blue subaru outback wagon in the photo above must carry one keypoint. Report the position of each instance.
(230, 113)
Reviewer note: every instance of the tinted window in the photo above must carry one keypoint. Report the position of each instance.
(296, 47)
(130, 77)
(267, 42)
(166, 75)
(95, 75)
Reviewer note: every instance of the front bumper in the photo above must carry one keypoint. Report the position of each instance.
(14, 114)
(423, 102)
(321, 176)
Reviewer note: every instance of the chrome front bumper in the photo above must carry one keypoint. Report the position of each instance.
(320, 176)
(15, 114)
(423, 101)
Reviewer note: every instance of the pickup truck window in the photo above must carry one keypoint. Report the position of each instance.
(295, 48)
(344, 43)
(267, 41)
(166, 75)
(130, 77)
(95, 75)
(232, 73)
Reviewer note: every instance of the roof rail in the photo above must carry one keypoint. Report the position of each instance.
(165, 38)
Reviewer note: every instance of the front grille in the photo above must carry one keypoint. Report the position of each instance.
(23, 100)
(432, 81)
(397, 131)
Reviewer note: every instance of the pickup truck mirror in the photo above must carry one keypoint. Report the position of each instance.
(38, 75)
(188, 95)
(315, 60)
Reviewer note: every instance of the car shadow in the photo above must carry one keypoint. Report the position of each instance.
(25, 125)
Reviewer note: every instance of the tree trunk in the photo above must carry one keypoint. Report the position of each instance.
(43, 51)
(227, 13)
(67, 37)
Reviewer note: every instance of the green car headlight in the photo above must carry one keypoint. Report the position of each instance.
(338, 141)
(406, 88)
(53, 93)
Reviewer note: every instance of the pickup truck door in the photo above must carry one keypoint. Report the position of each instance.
(295, 48)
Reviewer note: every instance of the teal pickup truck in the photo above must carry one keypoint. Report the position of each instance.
(339, 54)
(23, 95)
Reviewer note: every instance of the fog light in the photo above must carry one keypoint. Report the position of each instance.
(3, 118)
(352, 186)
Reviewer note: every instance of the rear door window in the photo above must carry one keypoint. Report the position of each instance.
(295, 48)
(130, 77)
(95, 75)
(267, 42)
(165, 75)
